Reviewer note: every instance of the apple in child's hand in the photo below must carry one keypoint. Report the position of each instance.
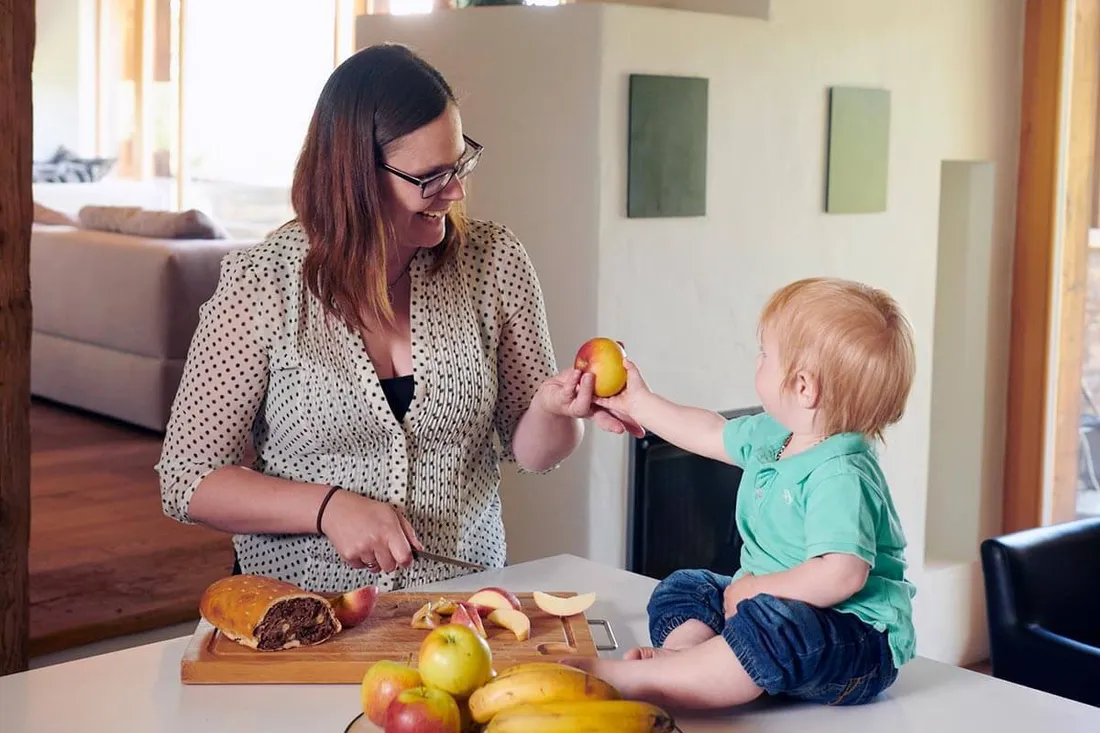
(494, 598)
(423, 710)
(383, 682)
(603, 358)
(353, 608)
(455, 659)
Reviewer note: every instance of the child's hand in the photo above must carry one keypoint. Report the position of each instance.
(739, 590)
(626, 402)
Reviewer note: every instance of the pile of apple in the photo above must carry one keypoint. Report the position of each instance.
(453, 661)
(500, 608)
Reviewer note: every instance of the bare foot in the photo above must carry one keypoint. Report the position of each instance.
(648, 652)
(707, 676)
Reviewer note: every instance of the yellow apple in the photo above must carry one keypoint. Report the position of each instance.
(456, 659)
(515, 621)
(383, 682)
(423, 710)
(603, 358)
(569, 606)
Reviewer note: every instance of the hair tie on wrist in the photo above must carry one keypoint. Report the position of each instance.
(324, 503)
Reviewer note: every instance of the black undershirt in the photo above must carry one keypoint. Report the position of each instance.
(399, 393)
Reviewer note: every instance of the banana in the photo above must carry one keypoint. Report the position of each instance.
(537, 686)
(534, 667)
(585, 716)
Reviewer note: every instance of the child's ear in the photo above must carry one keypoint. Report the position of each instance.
(806, 390)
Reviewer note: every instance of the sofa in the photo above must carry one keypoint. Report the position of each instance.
(1042, 591)
(113, 317)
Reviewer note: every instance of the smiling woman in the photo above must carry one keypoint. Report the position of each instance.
(377, 348)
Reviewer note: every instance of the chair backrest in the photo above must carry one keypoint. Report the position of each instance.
(1048, 576)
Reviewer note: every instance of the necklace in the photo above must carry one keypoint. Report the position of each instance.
(404, 271)
(787, 442)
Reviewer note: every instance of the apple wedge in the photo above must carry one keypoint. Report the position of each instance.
(353, 608)
(515, 621)
(558, 606)
(467, 615)
(426, 618)
(495, 598)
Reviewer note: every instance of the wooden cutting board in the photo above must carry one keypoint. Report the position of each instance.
(214, 659)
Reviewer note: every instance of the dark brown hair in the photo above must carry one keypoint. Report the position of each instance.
(376, 96)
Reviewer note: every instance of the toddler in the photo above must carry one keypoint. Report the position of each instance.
(820, 609)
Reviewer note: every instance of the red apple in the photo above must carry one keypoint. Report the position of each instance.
(603, 357)
(383, 682)
(455, 659)
(495, 598)
(469, 615)
(353, 608)
(423, 710)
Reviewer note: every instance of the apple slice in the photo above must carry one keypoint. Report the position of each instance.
(426, 618)
(558, 606)
(353, 608)
(444, 606)
(495, 598)
(515, 621)
(467, 615)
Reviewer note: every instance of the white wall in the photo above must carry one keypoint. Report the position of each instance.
(683, 294)
(744, 8)
(63, 77)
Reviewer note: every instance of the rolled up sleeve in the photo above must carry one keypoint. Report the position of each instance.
(223, 384)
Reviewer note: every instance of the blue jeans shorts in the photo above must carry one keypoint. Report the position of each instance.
(788, 648)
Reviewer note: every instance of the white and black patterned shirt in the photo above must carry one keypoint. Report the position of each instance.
(265, 362)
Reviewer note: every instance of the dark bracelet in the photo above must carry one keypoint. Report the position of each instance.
(324, 503)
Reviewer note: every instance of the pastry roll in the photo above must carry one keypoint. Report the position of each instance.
(267, 614)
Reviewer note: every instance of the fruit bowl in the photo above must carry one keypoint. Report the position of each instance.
(361, 725)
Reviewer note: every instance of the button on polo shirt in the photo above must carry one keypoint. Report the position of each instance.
(831, 498)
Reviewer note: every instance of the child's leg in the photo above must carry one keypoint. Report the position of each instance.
(686, 609)
(771, 645)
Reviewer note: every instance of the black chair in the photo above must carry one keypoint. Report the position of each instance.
(1042, 589)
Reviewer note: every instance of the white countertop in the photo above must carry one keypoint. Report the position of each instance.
(138, 689)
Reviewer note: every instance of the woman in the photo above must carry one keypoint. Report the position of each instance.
(374, 348)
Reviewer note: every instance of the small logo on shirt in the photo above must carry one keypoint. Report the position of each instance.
(788, 498)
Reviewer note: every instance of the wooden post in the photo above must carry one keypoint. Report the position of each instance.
(16, 214)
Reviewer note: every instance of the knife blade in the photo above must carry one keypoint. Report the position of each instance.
(425, 555)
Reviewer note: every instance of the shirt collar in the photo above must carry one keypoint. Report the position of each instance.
(799, 466)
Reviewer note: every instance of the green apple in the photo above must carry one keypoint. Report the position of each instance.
(455, 659)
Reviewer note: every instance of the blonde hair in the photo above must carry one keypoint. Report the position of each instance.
(856, 343)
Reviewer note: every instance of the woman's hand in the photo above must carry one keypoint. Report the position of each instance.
(572, 394)
(369, 534)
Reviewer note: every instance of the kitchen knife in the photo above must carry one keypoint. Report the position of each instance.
(424, 555)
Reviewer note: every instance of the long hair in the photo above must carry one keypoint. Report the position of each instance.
(376, 96)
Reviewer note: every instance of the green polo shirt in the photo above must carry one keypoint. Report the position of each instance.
(830, 498)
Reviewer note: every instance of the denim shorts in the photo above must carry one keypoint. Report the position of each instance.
(788, 648)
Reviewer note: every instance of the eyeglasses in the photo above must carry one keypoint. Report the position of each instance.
(432, 185)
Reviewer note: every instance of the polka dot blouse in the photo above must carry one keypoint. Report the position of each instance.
(266, 363)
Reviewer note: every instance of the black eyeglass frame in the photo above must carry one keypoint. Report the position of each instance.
(464, 162)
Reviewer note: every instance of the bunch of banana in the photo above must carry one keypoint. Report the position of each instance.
(583, 716)
(549, 697)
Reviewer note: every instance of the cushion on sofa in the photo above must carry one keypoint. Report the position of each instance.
(139, 222)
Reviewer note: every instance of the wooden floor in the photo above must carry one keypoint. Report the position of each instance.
(104, 560)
